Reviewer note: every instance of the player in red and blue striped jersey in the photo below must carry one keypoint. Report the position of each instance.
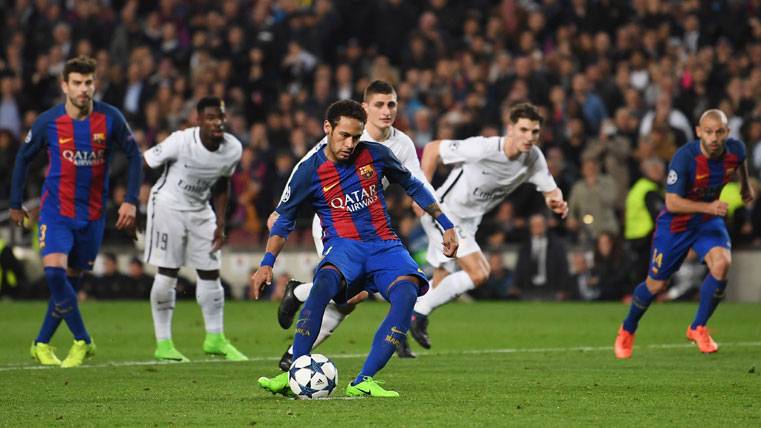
(693, 219)
(80, 136)
(343, 183)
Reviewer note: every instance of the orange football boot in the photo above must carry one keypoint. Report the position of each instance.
(624, 344)
(702, 339)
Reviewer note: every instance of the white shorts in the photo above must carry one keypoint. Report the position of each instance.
(180, 238)
(317, 235)
(466, 232)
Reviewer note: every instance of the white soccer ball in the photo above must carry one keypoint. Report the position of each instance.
(312, 376)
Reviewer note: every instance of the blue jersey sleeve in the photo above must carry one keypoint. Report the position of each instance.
(34, 142)
(737, 147)
(295, 193)
(397, 173)
(679, 173)
(126, 141)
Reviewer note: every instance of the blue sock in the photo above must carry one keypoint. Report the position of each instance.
(50, 323)
(402, 297)
(711, 294)
(640, 301)
(327, 282)
(65, 302)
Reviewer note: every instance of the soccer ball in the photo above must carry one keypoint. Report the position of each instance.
(312, 376)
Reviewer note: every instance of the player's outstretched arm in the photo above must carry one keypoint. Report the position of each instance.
(263, 275)
(556, 203)
(126, 142)
(676, 204)
(33, 143)
(272, 219)
(746, 189)
(127, 214)
(220, 194)
(430, 159)
(451, 242)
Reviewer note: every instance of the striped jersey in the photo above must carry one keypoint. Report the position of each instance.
(694, 176)
(79, 152)
(348, 196)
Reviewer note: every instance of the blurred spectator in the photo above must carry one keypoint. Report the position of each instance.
(592, 107)
(541, 272)
(110, 283)
(614, 152)
(142, 282)
(592, 202)
(582, 283)
(502, 225)
(10, 113)
(667, 115)
(610, 273)
(653, 65)
(643, 203)
(112, 235)
(12, 273)
(499, 286)
(8, 148)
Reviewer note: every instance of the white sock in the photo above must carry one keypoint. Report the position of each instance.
(162, 305)
(449, 288)
(211, 297)
(330, 321)
(302, 291)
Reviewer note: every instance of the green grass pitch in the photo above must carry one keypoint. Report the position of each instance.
(498, 364)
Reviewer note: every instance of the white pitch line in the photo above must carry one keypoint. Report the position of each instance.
(31, 366)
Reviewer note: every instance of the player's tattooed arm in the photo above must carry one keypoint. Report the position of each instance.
(434, 210)
(451, 242)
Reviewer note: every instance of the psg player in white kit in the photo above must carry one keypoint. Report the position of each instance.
(380, 104)
(183, 230)
(486, 170)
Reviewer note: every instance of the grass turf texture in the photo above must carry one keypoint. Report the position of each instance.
(491, 363)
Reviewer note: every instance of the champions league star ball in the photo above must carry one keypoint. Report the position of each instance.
(312, 376)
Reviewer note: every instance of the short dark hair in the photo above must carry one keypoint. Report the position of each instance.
(525, 111)
(378, 87)
(345, 108)
(81, 64)
(209, 102)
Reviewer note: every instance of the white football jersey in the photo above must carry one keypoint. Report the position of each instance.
(483, 175)
(190, 170)
(404, 149)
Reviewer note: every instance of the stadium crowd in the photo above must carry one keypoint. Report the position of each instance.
(620, 85)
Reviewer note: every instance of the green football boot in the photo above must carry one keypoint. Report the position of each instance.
(165, 351)
(277, 385)
(44, 354)
(217, 344)
(369, 387)
(77, 354)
